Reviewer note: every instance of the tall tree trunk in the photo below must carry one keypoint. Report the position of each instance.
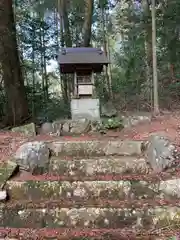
(33, 71)
(155, 78)
(67, 39)
(45, 67)
(105, 42)
(86, 31)
(64, 41)
(42, 64)
(66, 27)
(17, 105)
(147, 88)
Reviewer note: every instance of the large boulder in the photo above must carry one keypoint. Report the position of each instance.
(46, 128)
(80, 126)
(161, 153)
(33, 157)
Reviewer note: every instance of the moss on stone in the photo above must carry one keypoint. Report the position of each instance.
(91, 217)
(28, 129)
(100, 166)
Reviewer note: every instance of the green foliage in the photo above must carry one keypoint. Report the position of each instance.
(54, 108)
(101, 90)
(108, 124)
(128, 30)
(112, 123)
(132, 27)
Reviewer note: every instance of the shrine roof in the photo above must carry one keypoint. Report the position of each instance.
(82, 55)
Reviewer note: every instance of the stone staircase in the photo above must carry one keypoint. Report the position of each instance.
(95, 189)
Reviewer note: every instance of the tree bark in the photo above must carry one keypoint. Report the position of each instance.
(86, 31)
(66, 27)
(147, 89)
(17, 105)
(155, 77)
(66, 41)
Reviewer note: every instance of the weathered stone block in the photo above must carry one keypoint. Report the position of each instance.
(161, 153)
(126, 148)
(144, 218)
(28, 129)
(136, 119)
(33, 157)
(35, 190)
(96, 148)
(98, 166)
(6, 170)
(46, 129)
(93, 190)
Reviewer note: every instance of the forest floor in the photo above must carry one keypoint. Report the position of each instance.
(168, 123)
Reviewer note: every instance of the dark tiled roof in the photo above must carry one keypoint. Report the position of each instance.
(82, 56)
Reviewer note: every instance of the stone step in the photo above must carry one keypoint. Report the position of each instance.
(98, 203)
(98, 166)
(85, 234)
(93, 190)
(150, 177)
(150, 218)
(96, 148)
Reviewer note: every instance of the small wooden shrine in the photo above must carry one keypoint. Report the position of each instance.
(83, 63)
